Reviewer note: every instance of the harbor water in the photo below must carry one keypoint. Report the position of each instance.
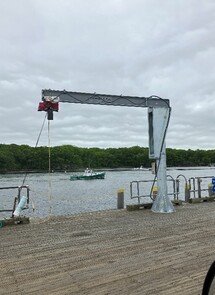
(57, 195)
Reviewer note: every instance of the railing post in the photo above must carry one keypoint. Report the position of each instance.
(187, 192)
(154, 192)
(199, 186)
(210, 191)
(120, 199)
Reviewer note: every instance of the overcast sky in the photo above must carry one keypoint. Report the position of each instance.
(128, 47)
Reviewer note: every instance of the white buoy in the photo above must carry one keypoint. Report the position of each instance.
(20, 206)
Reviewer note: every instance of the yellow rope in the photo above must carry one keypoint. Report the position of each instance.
(49, 175)
(49, 179)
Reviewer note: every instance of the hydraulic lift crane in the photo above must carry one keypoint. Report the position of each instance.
(158, 119)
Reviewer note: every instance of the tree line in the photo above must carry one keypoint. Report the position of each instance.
(70, 158)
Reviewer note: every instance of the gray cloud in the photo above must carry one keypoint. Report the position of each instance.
(128, 47)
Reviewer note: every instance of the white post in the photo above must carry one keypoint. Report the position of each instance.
(162, 203)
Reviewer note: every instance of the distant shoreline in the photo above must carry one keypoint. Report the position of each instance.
(105, 169)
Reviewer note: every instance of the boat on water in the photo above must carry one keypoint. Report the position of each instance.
(141, 168)
(88, 174)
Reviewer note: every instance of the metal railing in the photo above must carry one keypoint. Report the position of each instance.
(16, 198)
(197, 186)
(137, 189)
(178, 188)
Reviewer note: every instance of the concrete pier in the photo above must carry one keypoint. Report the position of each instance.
(110, 252)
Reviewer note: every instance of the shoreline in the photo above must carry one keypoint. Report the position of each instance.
(105, 169)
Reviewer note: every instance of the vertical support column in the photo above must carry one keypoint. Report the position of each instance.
(158, 119)
(210, 190)
(199, 180)
(120, 199)
(162, 203)
(187, 192)
(28, 194)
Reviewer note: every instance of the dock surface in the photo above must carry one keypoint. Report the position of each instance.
(110, 253)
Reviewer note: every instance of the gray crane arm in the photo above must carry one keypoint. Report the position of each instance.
(103, 99)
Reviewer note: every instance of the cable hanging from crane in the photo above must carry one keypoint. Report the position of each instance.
(49, 163)
(23, 182)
